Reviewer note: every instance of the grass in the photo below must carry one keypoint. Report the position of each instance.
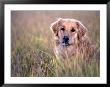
(32, 45)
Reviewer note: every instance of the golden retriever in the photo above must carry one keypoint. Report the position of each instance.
(71, 38)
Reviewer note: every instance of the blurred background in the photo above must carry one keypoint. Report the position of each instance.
(32, 43)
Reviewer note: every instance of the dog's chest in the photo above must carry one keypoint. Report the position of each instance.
(65, 52)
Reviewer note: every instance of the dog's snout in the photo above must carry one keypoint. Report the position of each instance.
(66, 39)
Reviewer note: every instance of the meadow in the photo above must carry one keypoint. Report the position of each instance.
(32, 45)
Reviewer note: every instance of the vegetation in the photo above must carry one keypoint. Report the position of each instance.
(32, 46)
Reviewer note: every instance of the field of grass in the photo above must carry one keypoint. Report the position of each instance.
(32, 45)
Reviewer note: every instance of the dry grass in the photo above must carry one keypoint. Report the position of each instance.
(32, 45)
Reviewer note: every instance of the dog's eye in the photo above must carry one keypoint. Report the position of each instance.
(72, 30)
(62, 29)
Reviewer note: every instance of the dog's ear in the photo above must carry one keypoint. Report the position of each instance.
(55, 26)
(82, 30)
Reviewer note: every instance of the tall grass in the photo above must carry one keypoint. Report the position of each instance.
(32, 45)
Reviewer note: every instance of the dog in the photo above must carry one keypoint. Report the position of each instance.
(71, 39)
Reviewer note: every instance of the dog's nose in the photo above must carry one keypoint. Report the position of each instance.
(66, 39)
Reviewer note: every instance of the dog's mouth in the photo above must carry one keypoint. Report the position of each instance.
(66, 44)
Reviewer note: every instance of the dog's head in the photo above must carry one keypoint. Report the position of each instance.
(68, 31)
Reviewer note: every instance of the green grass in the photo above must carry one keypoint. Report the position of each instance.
(32, 45)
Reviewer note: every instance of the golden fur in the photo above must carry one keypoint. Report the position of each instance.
(79, 42)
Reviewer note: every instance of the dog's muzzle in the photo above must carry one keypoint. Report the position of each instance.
(66, 40)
